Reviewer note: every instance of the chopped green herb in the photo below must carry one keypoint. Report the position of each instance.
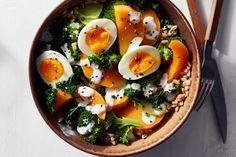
(50, 95)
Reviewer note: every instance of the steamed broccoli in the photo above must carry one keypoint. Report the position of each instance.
(176, 87)
(106, 60)
(85, 118)
(122, 127)
(50, 95)
(133, 94)
(71, 116)
(157, 99)
(71, 30)
(165, 52)
(152, 79)
(94, 136)
(108, 9)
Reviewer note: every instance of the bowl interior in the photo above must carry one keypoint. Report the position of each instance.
(172, 121)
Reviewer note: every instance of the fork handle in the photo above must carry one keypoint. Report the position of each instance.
(196, 20)
(213, 20)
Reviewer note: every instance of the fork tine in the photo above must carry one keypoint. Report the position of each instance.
(200, 94)
(209, 86)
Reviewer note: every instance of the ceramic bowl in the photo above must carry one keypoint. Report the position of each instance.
(167, 127)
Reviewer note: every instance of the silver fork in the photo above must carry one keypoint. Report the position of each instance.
(207, 81)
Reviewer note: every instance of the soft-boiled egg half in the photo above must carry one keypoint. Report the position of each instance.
(139, 62)
(97, 36)
(53, 67)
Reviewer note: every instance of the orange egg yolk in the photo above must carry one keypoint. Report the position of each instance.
(141, 63)
(97, 39)
(51, 69)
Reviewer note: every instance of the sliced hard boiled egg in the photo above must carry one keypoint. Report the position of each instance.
(97, 36)
(139, 62)
(53, 67)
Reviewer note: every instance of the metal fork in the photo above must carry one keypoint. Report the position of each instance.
(207, 81)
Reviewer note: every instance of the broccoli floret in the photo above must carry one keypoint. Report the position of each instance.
(133, 94)
(121, 122)
(165, 52)
(157, 99)
(106, 60)
(108, 9)
(75, 53)
(121, 127)
(85, 118)
(123, 134)
(152, 79)
(71, 116)
(71, 30)
(94, 136)
(176, 87)
(50, 96)
(165, 22)
(77, 79)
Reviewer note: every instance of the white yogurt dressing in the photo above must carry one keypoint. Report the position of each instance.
(135, 17)
(86, 129)
(85, 91)
(160, 110)
(67, 52)
(114, 93)
(149, 90)
(67, 130)
(167, 87)
(82, 103)
(148, 118)
(151, 28)
(97, 109)
(97, 75)
(135, 86)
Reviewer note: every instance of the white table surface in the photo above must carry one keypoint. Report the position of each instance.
(23, 132)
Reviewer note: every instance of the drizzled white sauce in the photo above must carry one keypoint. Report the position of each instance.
(149, 90)
(135, 17)
(151, 28)
(118, 93)
(67, 130)
(135, 86)
(67, 52)
(112, 94)
(97, 109)
(167, 87)
(86, 129)
(82, 103)
(148, 118)
(85, 91)
(160, 110)
(97, 75)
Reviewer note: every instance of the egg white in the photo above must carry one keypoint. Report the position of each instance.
(68, 72)
(123, 66)
(104, 23)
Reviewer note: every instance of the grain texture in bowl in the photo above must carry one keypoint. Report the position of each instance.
(167, 127)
